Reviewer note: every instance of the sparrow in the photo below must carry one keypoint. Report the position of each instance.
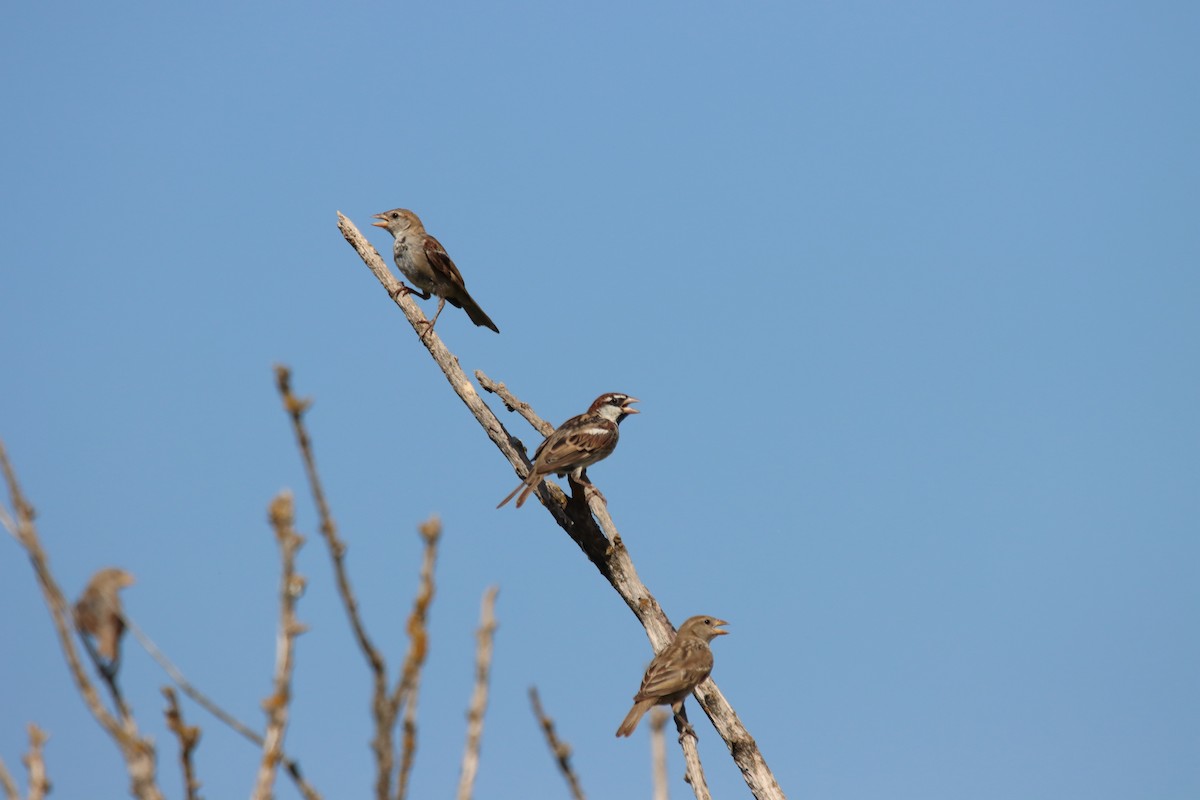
(424, 262)
(578, 443)
(98, 610)
(676, 671)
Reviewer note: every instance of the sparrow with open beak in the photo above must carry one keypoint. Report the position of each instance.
(577, 444)
(424, 262)
(676, 672)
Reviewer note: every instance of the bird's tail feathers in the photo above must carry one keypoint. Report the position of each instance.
(634, 717)
(476, 314)
(511, 495)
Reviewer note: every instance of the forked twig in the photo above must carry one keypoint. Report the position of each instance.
(189, 737)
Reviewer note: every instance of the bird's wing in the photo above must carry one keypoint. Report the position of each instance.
(575, 441)
(674, 671)
(440, 262)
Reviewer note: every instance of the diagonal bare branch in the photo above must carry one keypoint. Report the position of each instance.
(603, 546)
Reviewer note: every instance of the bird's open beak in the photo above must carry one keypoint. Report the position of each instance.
(382, 221)
(717, 623)
(628, 407)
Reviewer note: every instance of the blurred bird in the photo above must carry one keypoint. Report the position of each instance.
(425, 263)
(577, 444)
(676, 671)
(98, 610)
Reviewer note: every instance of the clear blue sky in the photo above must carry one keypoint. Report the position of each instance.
(909, 293)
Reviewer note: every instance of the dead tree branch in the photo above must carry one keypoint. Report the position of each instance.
(602, 545)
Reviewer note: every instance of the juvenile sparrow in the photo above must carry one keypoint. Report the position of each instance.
(676, 671)
(424, 262)
(578, 443)
(98, 610)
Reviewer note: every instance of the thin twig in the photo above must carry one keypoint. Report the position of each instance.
(296, 408)
(35, 763)
(606, 552)
(189, 737)
(418, 649)
(558, 748)
(201, 699)
(137, 752)
(658, 753)
(383, 709)
(483, 664)
(291, 587)
(513, 404)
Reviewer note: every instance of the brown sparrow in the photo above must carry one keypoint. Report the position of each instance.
(577, 444)
(98, 610)
(676, 672)
(424, 262)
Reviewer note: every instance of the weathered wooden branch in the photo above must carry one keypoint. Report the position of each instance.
(600, 541)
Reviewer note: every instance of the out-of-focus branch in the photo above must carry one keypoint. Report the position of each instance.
(7, 783)
(603, 547)
(201, 699)
(35, 762)
(483, 665)
(418, 650)
(291, 587)
(296, 408)
(658, 752)
(558, 748)
(137, 752)
(189, 737)
(383, 709)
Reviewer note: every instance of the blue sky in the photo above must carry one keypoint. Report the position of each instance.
(908, 292)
